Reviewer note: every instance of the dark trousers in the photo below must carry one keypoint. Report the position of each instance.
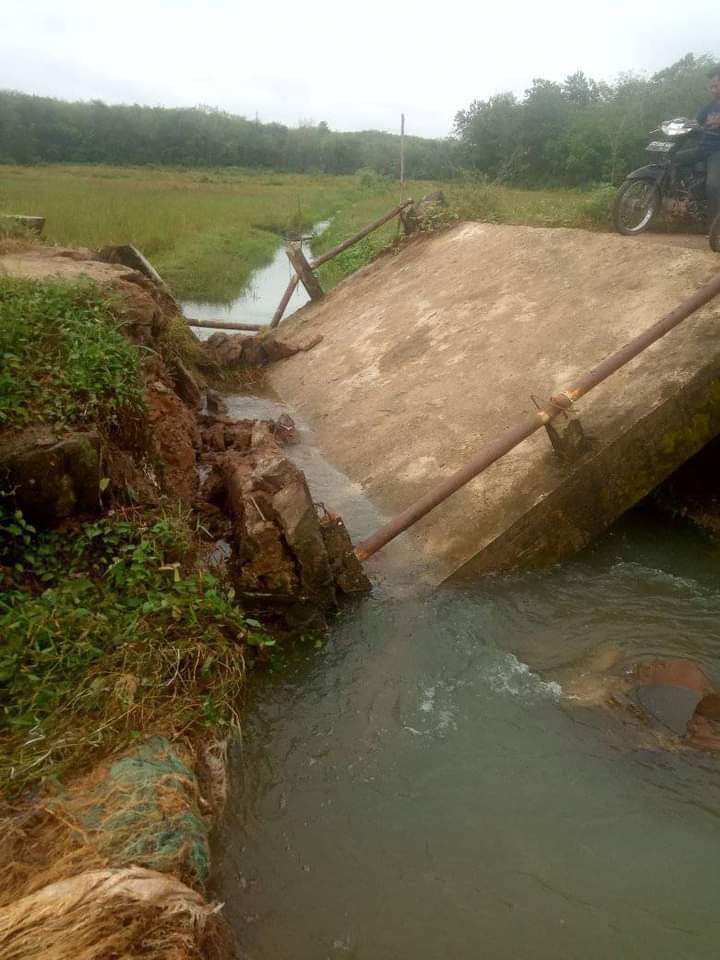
(712, 181)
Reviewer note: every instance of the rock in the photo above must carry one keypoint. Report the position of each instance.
(425, 213)
(279, 543)
(214, 402)
(263, 438)
(213, 437)
(301, 528)
(185, 384)
(285, 430)
(280, 546)
(225, 349)
(347, 570)
(238, 435)
(238, 350)
(50, 478)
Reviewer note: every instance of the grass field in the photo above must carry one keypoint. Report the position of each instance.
(207, 230)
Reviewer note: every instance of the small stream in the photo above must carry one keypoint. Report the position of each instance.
(422, 787)
(258, 302)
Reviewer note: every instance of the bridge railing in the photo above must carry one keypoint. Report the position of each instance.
(304, 269)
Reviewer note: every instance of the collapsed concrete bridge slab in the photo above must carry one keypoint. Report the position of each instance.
(432, 352)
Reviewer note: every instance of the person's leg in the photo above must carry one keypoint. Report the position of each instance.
(712, 185)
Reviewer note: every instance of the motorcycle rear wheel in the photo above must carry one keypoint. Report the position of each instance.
(636, 204)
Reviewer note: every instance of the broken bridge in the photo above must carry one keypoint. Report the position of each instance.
(431, 353)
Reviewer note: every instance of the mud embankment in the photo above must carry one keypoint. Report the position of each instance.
(114, 862)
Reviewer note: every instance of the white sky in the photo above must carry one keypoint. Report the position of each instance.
(357, 65)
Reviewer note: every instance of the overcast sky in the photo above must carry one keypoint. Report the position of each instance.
(356, 66)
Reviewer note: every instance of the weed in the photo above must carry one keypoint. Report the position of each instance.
(106, 631)
(64, 358)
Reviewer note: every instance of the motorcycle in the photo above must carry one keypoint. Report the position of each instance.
(670, 183)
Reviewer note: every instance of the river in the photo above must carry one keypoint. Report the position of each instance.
(421, 786)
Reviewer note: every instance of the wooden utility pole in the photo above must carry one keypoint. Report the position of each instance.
(402, 156)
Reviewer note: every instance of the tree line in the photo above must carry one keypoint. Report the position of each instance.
(574, 132)
(580, 130)
(44, 130)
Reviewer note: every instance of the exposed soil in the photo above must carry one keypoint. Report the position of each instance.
(288, 559)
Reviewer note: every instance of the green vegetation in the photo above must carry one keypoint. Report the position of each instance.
(587, 207)
(572, 132)
(64, 358)
(206, 232)
(108, 629)
(108, 632)
(578, 131)
(40, 129)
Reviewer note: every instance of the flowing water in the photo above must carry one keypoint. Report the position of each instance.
(258, 302)
(421, 786)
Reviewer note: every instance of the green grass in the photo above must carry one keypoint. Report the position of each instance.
(206, 231)
(587, 207)
(63, 357)
(106, 633)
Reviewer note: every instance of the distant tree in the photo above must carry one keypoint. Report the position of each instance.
(39, 129)
(579, 130)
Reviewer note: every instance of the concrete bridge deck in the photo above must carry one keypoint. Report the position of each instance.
(433, 351)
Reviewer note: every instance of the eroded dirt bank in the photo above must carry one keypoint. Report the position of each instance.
(107, 848)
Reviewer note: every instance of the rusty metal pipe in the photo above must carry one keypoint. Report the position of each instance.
(515, 435)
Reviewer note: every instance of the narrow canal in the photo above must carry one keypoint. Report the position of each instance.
(431, 783)
(427, 785)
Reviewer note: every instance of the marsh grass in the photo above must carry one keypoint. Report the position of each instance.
(207, 230)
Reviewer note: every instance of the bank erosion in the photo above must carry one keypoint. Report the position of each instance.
(152, 551)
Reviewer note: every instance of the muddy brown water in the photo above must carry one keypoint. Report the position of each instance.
(421, 786)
